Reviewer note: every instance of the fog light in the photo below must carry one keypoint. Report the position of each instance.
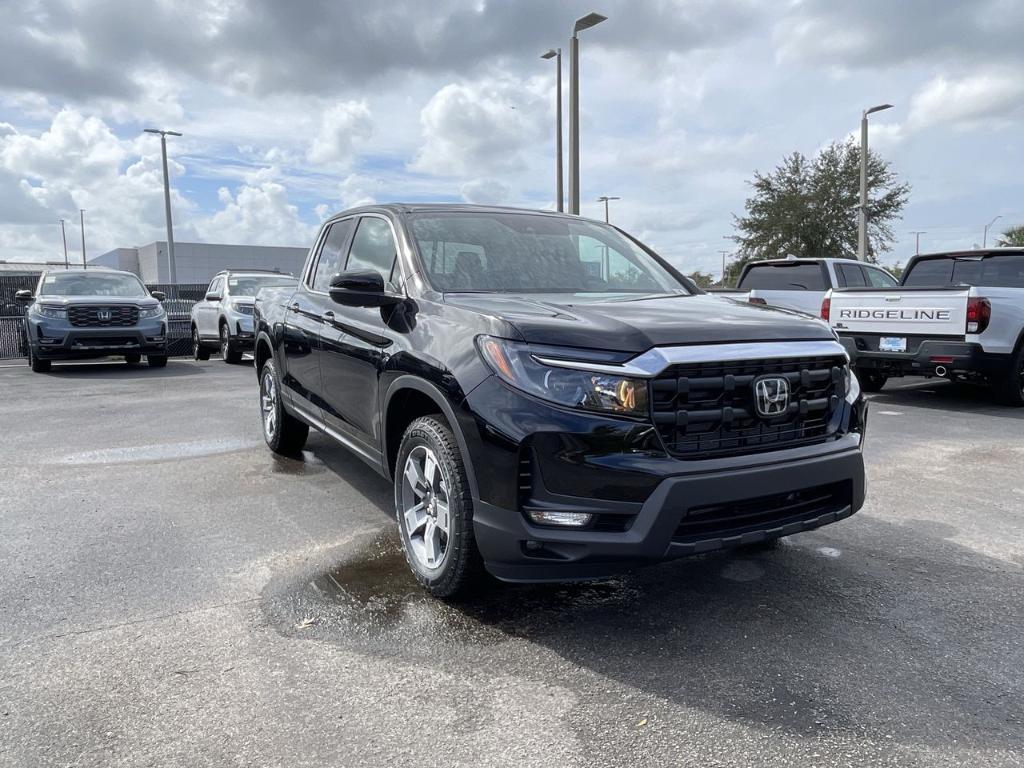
(565, 519)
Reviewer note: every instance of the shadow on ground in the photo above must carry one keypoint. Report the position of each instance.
(943, 395)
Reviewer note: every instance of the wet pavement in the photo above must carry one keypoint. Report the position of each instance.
(173, 594)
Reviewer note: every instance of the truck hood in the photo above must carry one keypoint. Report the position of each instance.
(107, 301)
(635, 324)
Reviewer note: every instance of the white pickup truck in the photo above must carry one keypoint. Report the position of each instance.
(801, 284)
(955, 315)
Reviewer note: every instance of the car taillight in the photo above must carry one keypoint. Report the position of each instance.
(826, 308)
(757, 300)
(979, 312)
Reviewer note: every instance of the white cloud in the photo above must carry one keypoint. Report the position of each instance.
(486, 192)
(341, 128)
(256, 214)
(483, 127)
(971, 101)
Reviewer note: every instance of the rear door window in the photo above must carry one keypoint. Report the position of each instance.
(850, 276)
(784, 277)
(1004, 271)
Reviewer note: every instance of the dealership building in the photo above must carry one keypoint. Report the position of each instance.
(199, 262)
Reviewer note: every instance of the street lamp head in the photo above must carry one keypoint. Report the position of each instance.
(550, 54)
(876, 108)
(588, 21)
(606, 198)
(161, 133)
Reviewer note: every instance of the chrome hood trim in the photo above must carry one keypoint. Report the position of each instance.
(652, 362)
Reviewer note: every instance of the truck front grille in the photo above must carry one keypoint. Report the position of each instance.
(99, 316)
(764, 512)
(703, 410)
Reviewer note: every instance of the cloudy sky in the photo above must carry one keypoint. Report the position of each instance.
(294, 110)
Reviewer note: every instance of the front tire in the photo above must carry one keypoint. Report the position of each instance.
(283, 432)
(157, 361)
(199, 352)
(871, 380)
(228, 350)
(37, 365)
(1010, 389)
(434, 509)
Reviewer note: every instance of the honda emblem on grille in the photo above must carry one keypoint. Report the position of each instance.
(771, 396)
(103, 314)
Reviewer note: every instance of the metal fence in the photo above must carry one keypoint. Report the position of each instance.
(178, 304)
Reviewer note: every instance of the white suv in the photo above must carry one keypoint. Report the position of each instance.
(223, 319)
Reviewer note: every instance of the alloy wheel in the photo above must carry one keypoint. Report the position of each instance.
(425, 507)
(268, 405)
(224, 342)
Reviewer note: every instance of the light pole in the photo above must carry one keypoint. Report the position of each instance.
(559, 195)
(604, 199)
(64, 237)
(584, 22)
(81, 219)
(862, 229)
(917, 241)
(984, 236)
(724, 255)
(172, 269)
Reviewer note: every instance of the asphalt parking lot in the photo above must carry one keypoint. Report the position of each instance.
(173, 594)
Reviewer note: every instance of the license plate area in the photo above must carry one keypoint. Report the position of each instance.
(892, 344)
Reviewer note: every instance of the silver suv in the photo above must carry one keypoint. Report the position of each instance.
(223, 319)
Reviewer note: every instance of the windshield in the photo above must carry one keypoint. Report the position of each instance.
(995, 271)
(98, 284)
(532, 253)
(248, 285)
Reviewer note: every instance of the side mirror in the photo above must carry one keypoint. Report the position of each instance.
(158, 295)
(24, 297)
(361, 288)
(213, 297)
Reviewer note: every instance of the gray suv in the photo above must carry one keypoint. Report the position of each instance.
(81, 314)
(223, 319)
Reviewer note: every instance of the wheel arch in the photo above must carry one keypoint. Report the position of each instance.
(420, 398)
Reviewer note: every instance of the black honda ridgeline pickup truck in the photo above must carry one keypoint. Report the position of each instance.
(551, 399)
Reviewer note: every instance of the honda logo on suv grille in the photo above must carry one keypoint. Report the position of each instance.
(771, 396)
(103, 314)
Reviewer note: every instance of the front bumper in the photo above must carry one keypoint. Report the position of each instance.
(923, 355)
(685, 515)
(59, 340)
(241, 328)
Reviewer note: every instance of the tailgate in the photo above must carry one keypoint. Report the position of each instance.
(900, 312)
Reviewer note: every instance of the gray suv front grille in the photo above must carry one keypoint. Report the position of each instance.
(99, 316)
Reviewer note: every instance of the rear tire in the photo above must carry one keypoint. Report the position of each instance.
(157, 361)
(37, 365)
(133, 358)
(283, 432)
(228, 351)
(434, 509)
(871, 380)
(1010, 389)
(199, 352)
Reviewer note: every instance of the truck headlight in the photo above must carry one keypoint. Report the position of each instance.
(241, 308)
(157, 311)
(54, 313)
(852, 385)
(589, 391)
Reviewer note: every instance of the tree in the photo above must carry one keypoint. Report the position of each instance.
(809, 207)
(702, 279)
(1013, 236)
